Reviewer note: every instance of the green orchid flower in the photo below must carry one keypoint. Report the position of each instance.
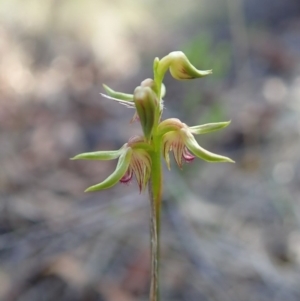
(178, 137)
(134, 159)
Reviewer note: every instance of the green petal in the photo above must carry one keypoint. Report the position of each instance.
(118, 95)
(167, 143)
(200, 152)
(101, 155)
(116, 176)
(209, 127)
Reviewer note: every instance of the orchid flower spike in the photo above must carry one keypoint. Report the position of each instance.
(141, 155)
(137, 156)
(178, 137)
(134, 159)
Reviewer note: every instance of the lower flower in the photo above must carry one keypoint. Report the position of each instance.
(134, 159)
(178, 137)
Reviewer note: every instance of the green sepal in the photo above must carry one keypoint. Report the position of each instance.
(142, 145)
(117, 175)
(180, 67)
(208, 128)
(169, 125)
(100, 155)
(118, 95)
(200, 152)
(149, 82)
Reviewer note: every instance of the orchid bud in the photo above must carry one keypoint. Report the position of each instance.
(146, 104)
(180, 67)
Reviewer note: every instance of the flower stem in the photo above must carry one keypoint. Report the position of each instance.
(155, 189)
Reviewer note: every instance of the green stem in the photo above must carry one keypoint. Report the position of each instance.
(155, 191)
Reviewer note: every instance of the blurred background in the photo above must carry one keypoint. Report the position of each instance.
(229, 231)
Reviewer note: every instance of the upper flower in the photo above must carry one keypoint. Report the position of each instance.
(179, 65)
(178, 137)
(133, 159)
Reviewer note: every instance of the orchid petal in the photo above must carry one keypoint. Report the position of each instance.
(127, 104)
(141, 166)
(178, 149)
(127, 176)
(200, 152)
(118, 95)
(187, 156)
(180, 67)
(209, 127)
(100, 155)
(168, 125)
(116, 176)
(167, 144)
